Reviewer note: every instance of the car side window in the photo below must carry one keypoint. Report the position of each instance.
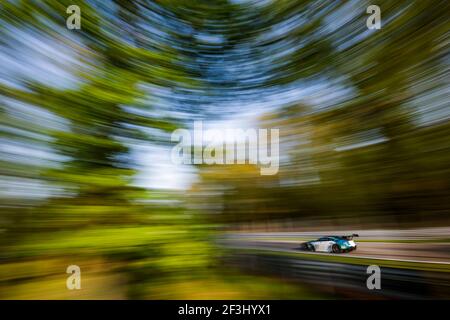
(324, 239)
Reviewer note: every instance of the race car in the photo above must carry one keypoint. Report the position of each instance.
(334, 244)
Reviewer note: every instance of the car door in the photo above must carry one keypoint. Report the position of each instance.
(323, 244)
(327, 245)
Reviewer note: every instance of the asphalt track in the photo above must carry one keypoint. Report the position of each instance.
(429, 279)
(408, 252)
(411, 246)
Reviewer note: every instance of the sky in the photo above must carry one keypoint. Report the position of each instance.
(42, 59)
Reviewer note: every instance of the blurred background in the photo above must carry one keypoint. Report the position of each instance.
(86, 176)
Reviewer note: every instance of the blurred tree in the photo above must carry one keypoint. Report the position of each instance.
(100, 211)
(372, 153)
(363, 157)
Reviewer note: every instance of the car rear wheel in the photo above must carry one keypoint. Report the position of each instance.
(335, 248)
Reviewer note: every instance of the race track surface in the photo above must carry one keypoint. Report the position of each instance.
(423, 245)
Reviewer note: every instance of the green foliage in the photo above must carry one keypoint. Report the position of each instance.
(205, 54)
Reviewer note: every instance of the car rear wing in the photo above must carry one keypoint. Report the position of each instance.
(350, 237)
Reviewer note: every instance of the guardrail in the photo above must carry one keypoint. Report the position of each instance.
(343, 279)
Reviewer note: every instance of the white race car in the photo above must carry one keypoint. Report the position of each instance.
(334, 244)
